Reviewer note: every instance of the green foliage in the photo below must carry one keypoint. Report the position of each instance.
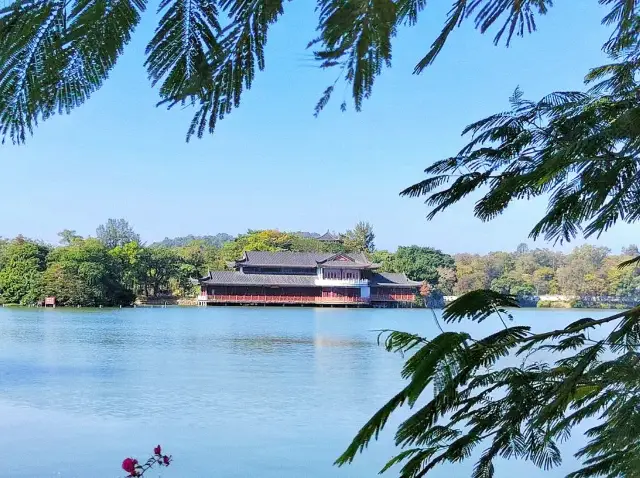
(85, 273)
(385, 259)
(129, 259)
(161, 265)
(479, 403)
(54, 54)
(116, 232)
(512, 285)
(360, 238)
(22, 263)
(214, 241)
(422, 263)
(588, 271)
(579, 148)
(478, 305)
(591, 273)
(275, 241)
(68, 236)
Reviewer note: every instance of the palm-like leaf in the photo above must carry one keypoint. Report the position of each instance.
(582, 149)
(188, 32)
(230, 67)
(478, 305)
(54, 54)
(516, 412)
(29, 37)
(631, 262)
(356, 36)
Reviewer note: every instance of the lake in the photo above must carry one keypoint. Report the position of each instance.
(230, 392)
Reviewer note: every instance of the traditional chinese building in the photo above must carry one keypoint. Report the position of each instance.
(331, 238)
(327, 237)
(300, 278)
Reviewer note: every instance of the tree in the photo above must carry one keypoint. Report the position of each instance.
(622, 282)
(580, 148)
(84, 273)
(116, 232)
(422, 263)
(131, 266)
(583, 274)
(275, 241)
(161, 265)
(512, 284)
(447, 279)
(67, 236)
(215, 241)
(385, 259)
(360, 238)
(471, 273)
(21, 266)
(542, 280)
(522, 248)
(548, 258)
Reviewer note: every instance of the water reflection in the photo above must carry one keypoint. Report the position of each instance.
(270, 344)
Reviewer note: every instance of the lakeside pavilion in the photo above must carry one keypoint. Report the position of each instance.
(306, 278)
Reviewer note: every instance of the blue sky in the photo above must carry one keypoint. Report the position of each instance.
(271, 164)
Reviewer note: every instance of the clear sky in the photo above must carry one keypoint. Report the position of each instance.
(271, 164)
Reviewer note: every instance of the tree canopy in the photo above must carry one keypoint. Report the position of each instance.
(83, 273)
(217, 241)
(360, 238)
(116, 232)
(22, 264)
(422, 263)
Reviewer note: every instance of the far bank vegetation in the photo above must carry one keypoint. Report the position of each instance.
(116, 268)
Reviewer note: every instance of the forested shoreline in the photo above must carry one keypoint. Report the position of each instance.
(116, 268)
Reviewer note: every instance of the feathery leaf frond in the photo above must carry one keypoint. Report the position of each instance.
(516, 412)
(54, 54)
(188, 32)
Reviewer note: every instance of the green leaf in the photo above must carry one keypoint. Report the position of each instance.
(54, 55)
(186, 35)
(478, 305)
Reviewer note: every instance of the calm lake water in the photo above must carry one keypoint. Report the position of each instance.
(230, 392)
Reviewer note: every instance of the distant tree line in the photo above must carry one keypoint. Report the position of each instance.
(586, 272)
(115, 267)
(216, 241)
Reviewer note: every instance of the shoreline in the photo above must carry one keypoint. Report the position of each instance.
(294, 306)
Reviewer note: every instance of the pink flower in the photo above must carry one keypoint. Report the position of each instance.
(157, 450)
(166, 460)
(129, 465)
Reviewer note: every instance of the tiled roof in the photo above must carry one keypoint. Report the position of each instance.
(238, 278)
(293, 259)
(392, 279)
(348, 264)
(308, 235)
(383, 279)
(300, 259)
(357, 257)
(327, 236)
